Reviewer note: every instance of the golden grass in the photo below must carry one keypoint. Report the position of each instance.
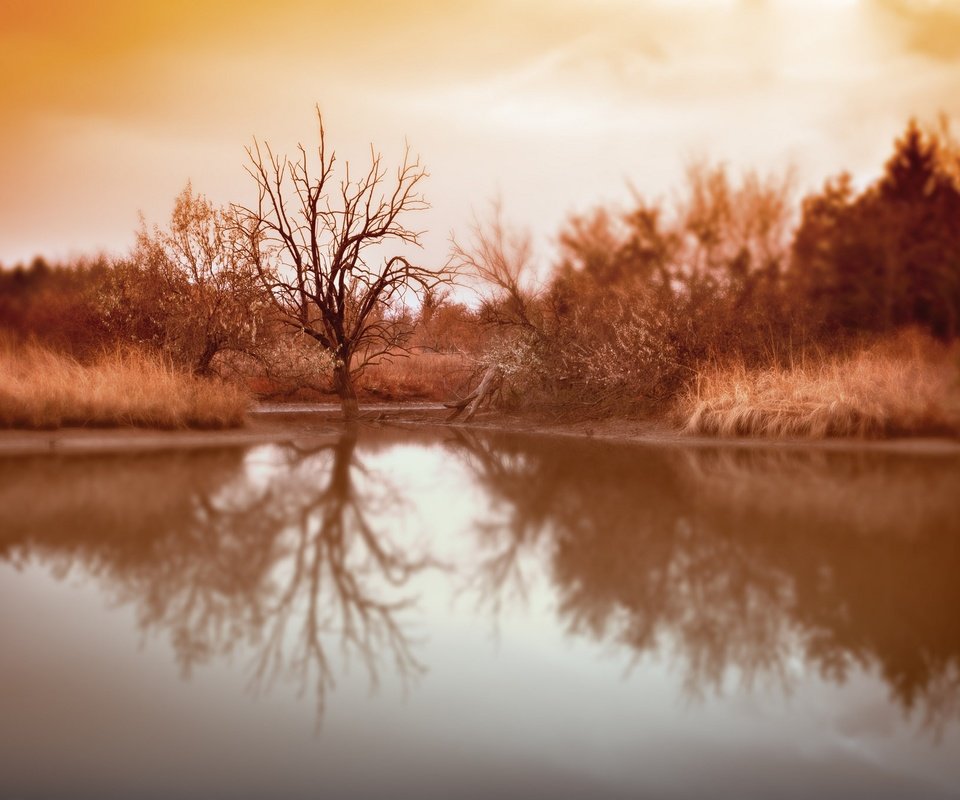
(418, 376)
(43, 389)
(908, 386)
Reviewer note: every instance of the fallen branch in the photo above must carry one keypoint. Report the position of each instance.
(472, 401)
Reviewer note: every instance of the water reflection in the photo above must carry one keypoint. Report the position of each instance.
(217, 550)
(738, 561)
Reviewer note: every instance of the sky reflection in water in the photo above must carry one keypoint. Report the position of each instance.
(534, 616)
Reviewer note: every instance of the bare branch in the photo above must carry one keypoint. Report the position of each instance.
(320, 253)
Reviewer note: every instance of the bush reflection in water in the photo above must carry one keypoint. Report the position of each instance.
(732, 562)
(737, 560)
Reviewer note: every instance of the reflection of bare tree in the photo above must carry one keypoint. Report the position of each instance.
(336, 561)
(737, 560)
(288, 563)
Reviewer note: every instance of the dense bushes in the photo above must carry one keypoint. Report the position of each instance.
(56, 305)
(639, 300)
(728, 287)
(184, 295)
(187, 290)
(710, 303)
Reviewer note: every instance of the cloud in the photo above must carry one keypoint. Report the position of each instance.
(930, 28)
(557, 103)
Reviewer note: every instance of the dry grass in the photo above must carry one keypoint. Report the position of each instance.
(419, 376)
(907, 386)
(43, 389)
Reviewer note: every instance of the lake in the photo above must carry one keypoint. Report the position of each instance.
(443, 613)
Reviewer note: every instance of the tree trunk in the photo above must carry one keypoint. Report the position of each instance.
(343, 385)
(202, 367)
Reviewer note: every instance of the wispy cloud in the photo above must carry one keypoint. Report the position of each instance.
(113, 105)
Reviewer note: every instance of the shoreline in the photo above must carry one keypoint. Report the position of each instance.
(279, 424)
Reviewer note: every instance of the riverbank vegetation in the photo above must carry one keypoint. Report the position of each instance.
(906, 386)
(733, 310)
(740, 314)
(40, 388)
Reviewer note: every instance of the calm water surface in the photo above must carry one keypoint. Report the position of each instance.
(445, 615)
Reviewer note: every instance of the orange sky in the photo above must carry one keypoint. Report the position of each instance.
(109, 106)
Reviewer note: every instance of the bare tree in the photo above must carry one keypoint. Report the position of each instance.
(500, 260)
(321, 248)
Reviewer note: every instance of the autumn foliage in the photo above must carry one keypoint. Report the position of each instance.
(712, 304)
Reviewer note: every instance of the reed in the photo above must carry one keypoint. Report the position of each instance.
(40, 388)
(908, 386)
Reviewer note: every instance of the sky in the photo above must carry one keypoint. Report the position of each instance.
(109, 107)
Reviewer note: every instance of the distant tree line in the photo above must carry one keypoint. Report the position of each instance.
(890, 255)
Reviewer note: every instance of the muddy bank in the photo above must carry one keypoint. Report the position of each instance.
(659, 433)
(305, 422)
(133, 440)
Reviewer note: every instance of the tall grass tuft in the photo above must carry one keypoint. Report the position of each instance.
(909, 386)
(43, 389)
